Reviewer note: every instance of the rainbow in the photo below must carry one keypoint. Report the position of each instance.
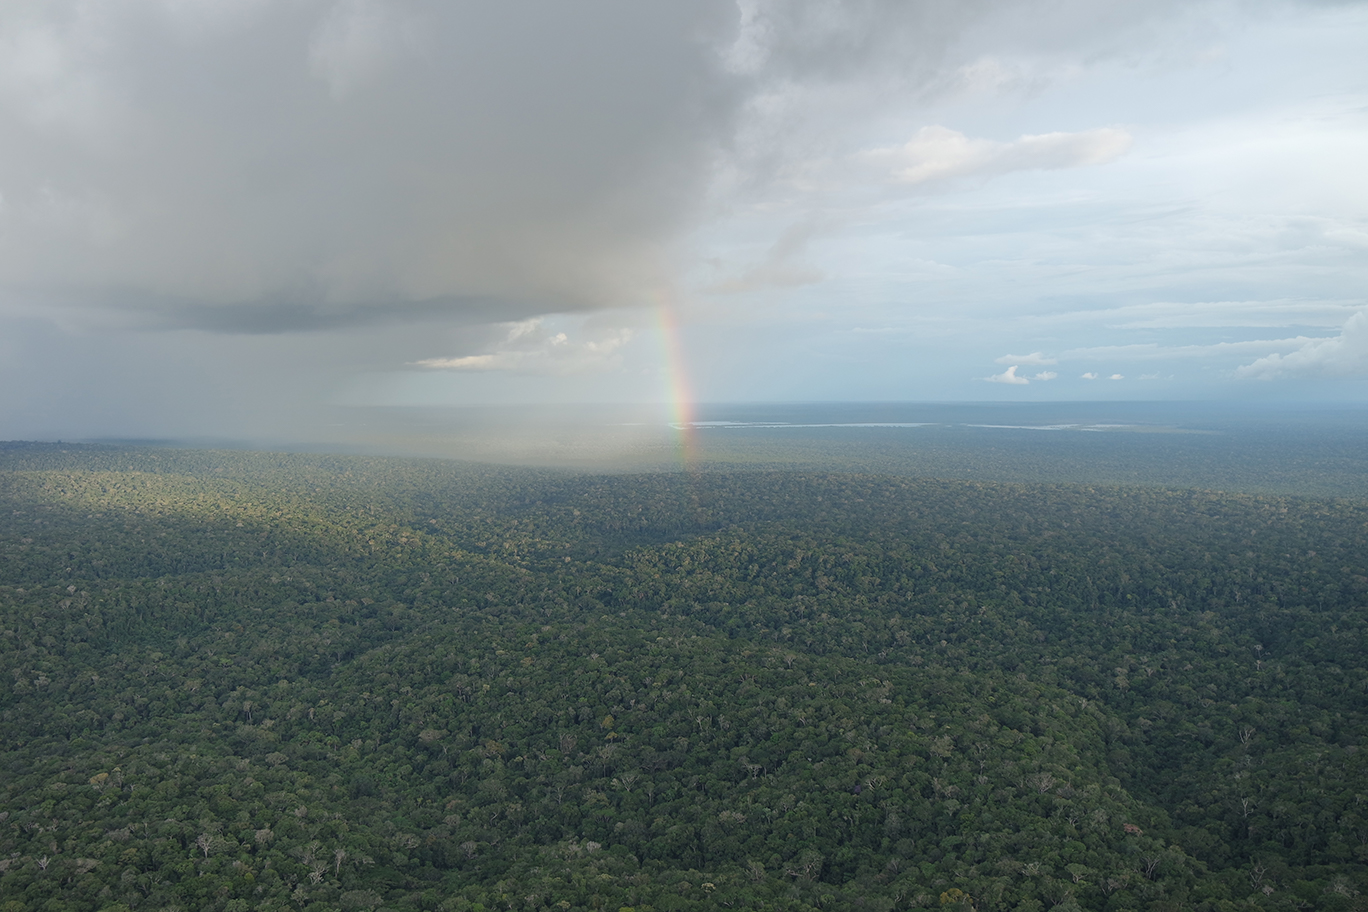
(678, 396)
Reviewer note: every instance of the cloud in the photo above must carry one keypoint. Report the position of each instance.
(229, 210)
(468, 362)
(346, 159)
(1008, 376)
(1034, 359)
(339, 161)
(1345, 355)
(1117, 377)
(529, 347)
(1154, 351)
(1090, 375)
(343, 160)
(938, 153)
(782, 265)
(303, 311)
(1212, 314)
(357, 41)
(1045, 375)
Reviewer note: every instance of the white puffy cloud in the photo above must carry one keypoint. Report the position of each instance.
(1090, 375)
(1045, 375)
(1008, 376)
(1345, 355)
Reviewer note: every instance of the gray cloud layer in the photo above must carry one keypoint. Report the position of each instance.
(222, 215)
(268, 166)
(329, 159)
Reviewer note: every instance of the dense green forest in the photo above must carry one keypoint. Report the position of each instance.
(264, 681)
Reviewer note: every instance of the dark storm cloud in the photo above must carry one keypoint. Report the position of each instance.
(486, 161)
(387, 156)
(284, 315)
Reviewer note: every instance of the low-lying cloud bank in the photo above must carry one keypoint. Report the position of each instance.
(1344, 356)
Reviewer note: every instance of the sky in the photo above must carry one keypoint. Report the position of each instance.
(241, 218)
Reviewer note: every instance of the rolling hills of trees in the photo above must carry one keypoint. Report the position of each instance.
(266, 681)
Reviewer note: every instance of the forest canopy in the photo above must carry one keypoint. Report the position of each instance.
(243, 680)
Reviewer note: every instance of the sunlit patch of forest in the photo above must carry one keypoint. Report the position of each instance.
(242, 680)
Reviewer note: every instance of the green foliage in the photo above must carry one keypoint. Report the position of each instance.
(262, 681)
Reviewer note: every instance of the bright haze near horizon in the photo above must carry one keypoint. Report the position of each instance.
(250, 219)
